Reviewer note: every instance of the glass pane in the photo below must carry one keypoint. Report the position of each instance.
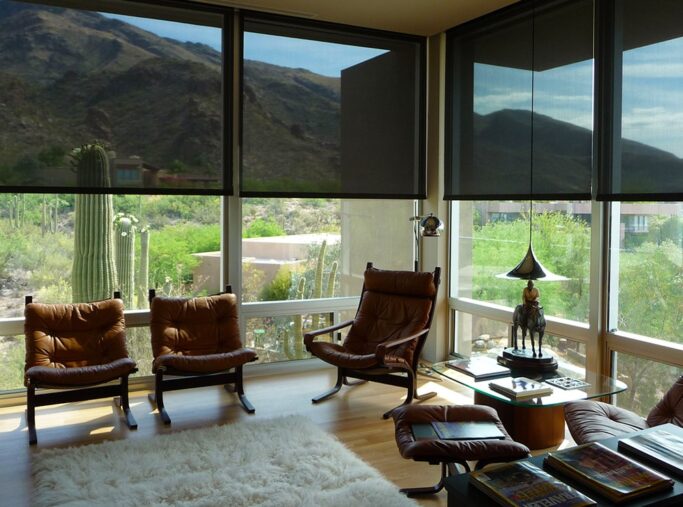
(319, 248)
(652, 110)
(647, 296)
(647, 382)
(126, 243)
(12, 358)
(478, 335)
(330, 112)
(148, 90)
(494, 237)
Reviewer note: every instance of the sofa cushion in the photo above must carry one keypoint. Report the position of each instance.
(670, 407)
(589, 421)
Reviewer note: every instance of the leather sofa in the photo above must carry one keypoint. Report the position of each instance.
(589, 421)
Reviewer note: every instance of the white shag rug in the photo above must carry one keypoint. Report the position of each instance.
(281, 462)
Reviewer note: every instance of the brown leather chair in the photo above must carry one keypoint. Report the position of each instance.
(448, 453)
(589, 421)
(72, 347)
(197, 341)
(386, 337)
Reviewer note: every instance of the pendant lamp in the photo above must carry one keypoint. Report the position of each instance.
(530, 268)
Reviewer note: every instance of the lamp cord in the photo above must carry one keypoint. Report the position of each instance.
(533, 73)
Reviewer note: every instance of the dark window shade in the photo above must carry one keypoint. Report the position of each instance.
(489, 127)
(646, 162)
(342, 115)
(148, 88)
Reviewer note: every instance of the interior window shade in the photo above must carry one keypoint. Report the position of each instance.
(648, 161)
(145, 88)
(492, 133)
(332, 113)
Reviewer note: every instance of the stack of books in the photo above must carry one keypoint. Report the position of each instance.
(659, 447)
(481, 368)
(521, 387)
(608, 473)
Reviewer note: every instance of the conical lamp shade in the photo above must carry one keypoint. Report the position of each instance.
(531, 269)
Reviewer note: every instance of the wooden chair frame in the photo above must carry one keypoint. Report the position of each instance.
(233, 381)
(387, 372)
(68, 394)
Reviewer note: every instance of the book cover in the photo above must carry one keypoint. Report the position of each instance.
(481, 368)
(659, 447)
(522, 484)
(611, 474)
(467, 430)
(520, 387)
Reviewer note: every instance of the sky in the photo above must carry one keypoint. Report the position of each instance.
(652, 93)
(320, 57)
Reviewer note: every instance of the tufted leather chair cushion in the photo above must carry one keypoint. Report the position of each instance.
(589, 421)
(670, 407)
(198, 334)
(64, 336)
(436, 451)
(395, 304)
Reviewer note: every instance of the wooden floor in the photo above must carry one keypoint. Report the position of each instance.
(353, 415)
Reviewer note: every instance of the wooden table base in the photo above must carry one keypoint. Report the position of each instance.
(536, 427)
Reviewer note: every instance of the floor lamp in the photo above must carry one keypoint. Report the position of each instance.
(429, 226)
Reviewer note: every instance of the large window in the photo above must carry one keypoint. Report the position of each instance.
(647, 294)
(493, 236)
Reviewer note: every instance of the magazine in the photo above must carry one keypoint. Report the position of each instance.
(481, 368)
(658, 446)
(523, 484)
(607, 472)
(520, 387)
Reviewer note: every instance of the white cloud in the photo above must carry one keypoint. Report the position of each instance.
(653, 70)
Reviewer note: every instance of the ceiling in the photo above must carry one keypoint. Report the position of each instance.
(419, 17)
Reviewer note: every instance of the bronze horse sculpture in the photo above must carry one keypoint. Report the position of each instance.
(529, 319)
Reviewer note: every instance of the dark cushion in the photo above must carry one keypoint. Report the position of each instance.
(211, 363)
(195, 326)
(589, 421)
(436, 450)
(79, 375)
(670, 407)
(65, 336)
(337, 355)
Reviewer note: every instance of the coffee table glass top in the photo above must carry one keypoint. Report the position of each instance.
(599, 385)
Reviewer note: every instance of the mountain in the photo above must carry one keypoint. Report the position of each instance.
(562, 152)
(70, 76)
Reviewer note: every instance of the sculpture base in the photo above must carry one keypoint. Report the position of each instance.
(523, 359)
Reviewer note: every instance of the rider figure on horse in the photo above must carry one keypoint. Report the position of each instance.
(530, 296)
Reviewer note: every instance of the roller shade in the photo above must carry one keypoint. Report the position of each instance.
(331, 111)
(519, 104)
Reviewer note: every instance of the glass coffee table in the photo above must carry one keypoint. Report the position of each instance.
(536, 422)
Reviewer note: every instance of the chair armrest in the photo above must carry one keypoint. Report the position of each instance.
(310, 336)
(382, 348)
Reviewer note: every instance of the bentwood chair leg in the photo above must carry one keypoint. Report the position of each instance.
(123, 402)
(409, 396)
(158, 397)
(330, 392)
(239, 389)
(31, 415)
(429, 490)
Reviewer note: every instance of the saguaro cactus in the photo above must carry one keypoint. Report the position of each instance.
(143, 270)
(125, 255)
(93, 274)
